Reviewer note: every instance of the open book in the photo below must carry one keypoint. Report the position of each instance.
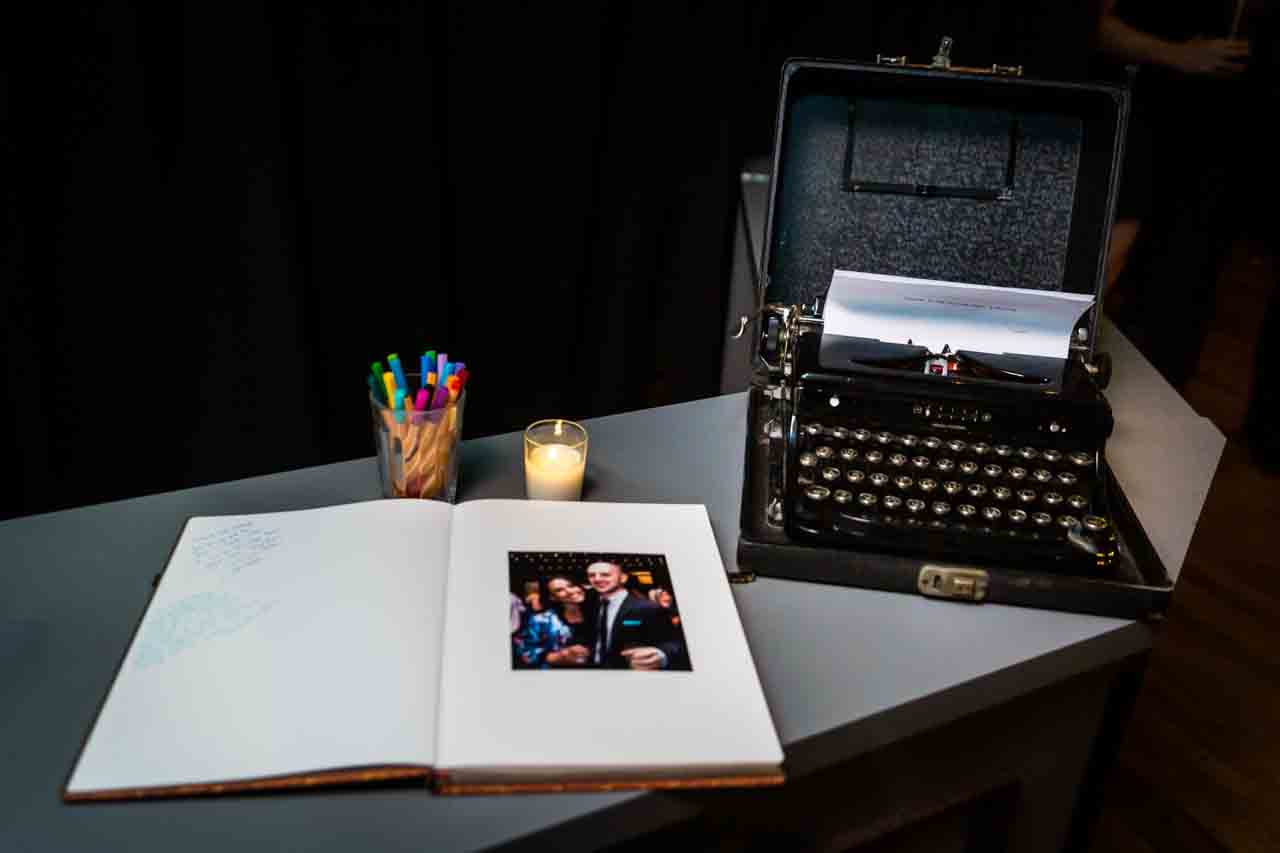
(491, 646)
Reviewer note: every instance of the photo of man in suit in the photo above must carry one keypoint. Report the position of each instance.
(632, 632)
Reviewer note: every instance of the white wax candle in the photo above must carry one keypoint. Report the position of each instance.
(553, 472)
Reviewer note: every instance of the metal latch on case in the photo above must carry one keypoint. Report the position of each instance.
(959, 584)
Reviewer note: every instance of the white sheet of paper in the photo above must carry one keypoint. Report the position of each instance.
(280, 643)
(934, 314)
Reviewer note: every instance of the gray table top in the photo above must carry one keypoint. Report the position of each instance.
(844, 670)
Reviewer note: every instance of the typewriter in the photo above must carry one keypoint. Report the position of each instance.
(966, 472)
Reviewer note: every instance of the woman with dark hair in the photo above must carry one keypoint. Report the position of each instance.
(558, 636)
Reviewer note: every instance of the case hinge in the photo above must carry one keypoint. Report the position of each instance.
(959, 584)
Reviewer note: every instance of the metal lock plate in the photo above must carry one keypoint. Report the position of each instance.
(958, 584)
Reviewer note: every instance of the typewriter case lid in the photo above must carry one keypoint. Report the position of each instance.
(933, 173)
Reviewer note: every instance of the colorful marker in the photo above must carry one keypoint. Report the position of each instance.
(393, 361)
(389, 382)
(399, 405)
(441, 360)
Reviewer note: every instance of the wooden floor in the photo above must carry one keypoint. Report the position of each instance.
(1199, 768)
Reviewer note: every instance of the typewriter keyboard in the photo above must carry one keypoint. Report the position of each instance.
(965, 496)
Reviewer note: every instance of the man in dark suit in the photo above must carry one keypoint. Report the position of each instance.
(631, 631)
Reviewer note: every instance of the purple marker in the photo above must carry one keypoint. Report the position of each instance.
(442, 359)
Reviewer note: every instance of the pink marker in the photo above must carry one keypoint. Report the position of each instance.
(423, 399)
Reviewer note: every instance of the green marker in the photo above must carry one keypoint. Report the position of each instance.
(378, 394)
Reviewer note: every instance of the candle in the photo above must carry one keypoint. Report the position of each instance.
(555, 460)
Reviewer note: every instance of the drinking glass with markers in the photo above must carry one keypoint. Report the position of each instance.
(417, 425)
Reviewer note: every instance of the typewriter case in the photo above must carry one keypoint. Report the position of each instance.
(962, 175)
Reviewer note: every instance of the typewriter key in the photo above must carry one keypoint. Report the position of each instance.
(840, 496)
(1016, 473)
(804, 478)
(945, 464)
(884, 437)
(1078, 501)
(1080, 458)
(992, 470)
(892, 501)
(1041, 475)
(1068, 521)
(861, 434)
(914, 523)
(1066, 478)
(938, 524)
(909, 440)
(878, 479)
(855, 476)
(1042, 519)
(840, 433)
(813, 429)
(956, 445)
(967, 510)
(980, 448)
(951, 487)
(1003, 450)
(921, 462)
(831, 473)
(1095, 522)
(990, 513)
(902, 481)
(933, 442)
(1026, 496)
(1052, 455)
(914, 505)
(1002, 493)
(848, 454)
(1017, 516)
(941, 507)
(874, 456)
(1052, 498)
(928, 484)
(808, 460)
(817, 493)
(977, 490)
(968, 468)
(1028, 453)
(867, 499)
(824, 452)
(897, 460)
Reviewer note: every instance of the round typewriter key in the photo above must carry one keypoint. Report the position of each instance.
(1003, 450)
(1052, 455)
(874, 456)
(932, 442)
(990, 513)
(817, 493)
(968, 467)
(980, 448)
(914, 522)
(824, 452)
(840, 496)
(1042, 519)
(1016, 473)
(1017, 516)
(1028, 453)
(951, 487)
(808, 460)
(1041, 475)
(861, 434)
(941, 507)
(977, 490)
(921, 462)
(992, 470)
(945, 464)
(892, 501)
(831, 473)
(938, 524)
(1078, 501)
(1095, 522)
(867, 499)
(855, 476)
(909, 440)
(902, 481)
(1068, 521)
(839, 432)
(878, 479)
(1066, 478)
(1002, 493)
(1026, 496)
(891, 520)
(848, 454)
(928, 484)
(1080, 458)
(813, 429)
(1052, 498)
(884, 437)
(914, 505)
(956, 445)
(897, 460)
(967, 510)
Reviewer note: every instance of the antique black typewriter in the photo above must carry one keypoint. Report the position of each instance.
(966, 472)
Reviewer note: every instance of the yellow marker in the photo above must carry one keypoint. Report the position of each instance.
(389, 380)
(431, 379)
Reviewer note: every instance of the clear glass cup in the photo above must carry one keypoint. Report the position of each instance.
(555, 460)
(418, 451)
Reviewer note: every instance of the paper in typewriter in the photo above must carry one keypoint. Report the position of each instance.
(934, 314)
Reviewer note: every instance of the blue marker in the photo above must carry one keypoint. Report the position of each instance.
(425, 365)
(399, 406)
(393, 361)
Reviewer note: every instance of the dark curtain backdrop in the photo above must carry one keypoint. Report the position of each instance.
(217, 216)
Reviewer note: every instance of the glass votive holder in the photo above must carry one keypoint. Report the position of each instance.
(555, 460)
(418, 451)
